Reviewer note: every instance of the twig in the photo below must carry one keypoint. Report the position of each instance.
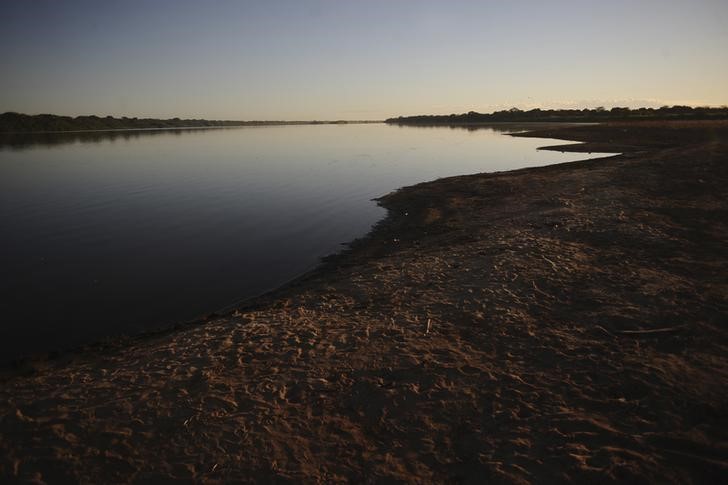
(541, 291)
(553, 265)
(653, 330)
(599, 327)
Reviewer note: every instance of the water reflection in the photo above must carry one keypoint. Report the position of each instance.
(21, 141)
(117, 232)
(502, 127)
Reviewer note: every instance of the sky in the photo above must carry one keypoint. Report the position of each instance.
(367, 59)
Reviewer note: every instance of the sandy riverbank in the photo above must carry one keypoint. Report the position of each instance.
(565, 323)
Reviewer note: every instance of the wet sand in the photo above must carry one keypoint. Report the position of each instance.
(555, 324)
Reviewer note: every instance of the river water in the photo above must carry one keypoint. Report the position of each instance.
(119, 232)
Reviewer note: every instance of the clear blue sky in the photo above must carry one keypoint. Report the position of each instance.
(367, 59)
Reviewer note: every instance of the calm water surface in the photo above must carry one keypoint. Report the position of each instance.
(117, 233)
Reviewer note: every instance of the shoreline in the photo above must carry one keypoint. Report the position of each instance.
(551, 323)
(27, 363)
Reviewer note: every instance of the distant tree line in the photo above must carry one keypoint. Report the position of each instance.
(11, 122)
(568, 115)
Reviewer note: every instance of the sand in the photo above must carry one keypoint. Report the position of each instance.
(556, 324)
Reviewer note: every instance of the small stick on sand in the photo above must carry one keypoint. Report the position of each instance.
(429, 326)
(540, 290)
(599, 327)
(653, 330)
(553, 265)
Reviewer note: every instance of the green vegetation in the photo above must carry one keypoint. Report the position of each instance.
(21, 123)
(568, 115)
